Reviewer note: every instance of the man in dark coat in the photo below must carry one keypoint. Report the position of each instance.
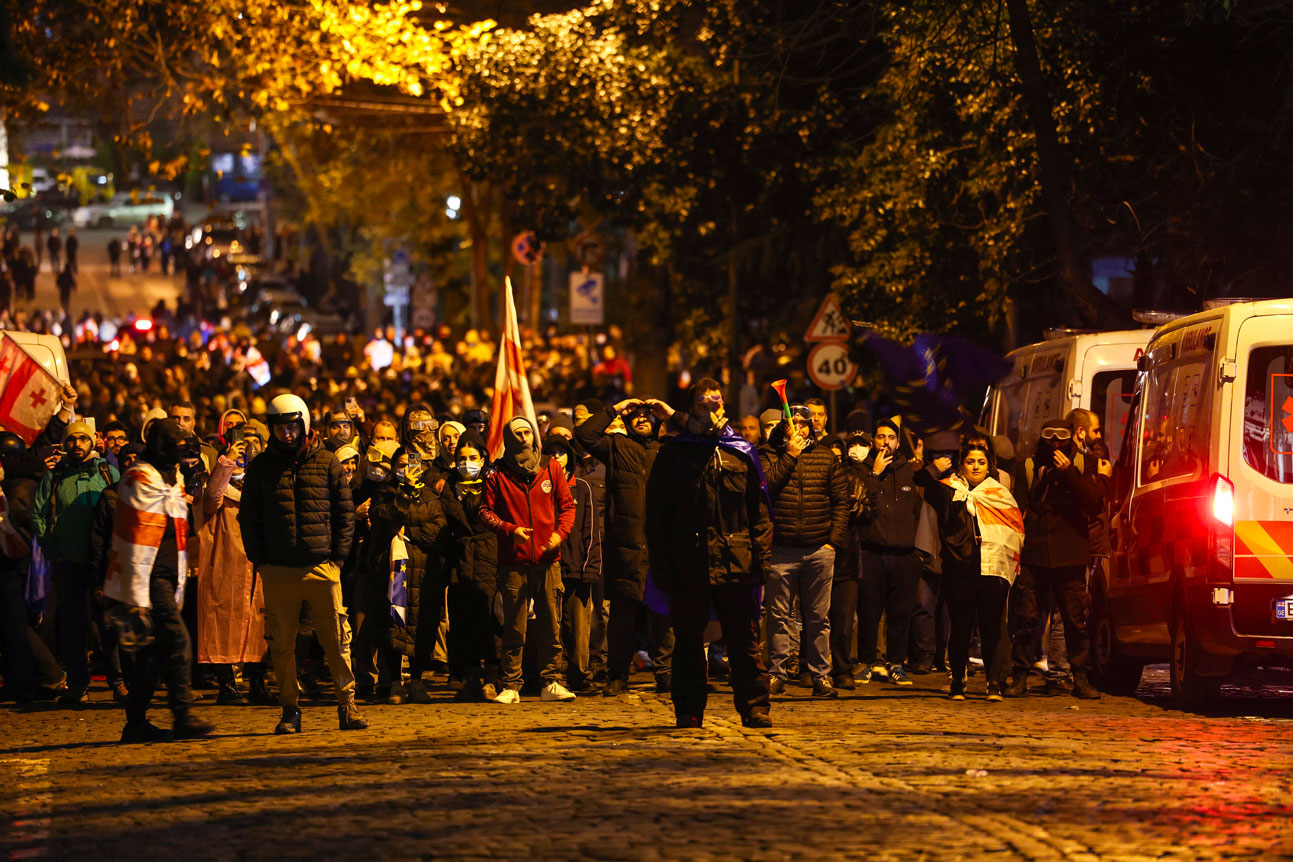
(810, 501)
(298, 521)
(709, 534)
(890, 569)
(628, 459)
(1059, 490)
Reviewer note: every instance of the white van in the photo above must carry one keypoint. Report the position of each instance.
(1202, 517)
(1094, 370)
(45, 349)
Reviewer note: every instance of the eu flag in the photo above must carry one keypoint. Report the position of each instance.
(939, 380)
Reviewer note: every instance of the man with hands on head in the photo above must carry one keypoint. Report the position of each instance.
(628, 459)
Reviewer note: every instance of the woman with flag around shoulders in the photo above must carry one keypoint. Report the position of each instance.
(982, 532)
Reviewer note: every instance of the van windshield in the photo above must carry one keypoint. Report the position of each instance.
(1268, 412)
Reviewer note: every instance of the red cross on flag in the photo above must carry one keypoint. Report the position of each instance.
(511, 389)
(29, 395)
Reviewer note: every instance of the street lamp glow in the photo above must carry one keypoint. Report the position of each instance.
(454, 202)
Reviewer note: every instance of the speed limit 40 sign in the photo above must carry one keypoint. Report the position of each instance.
(829, 366)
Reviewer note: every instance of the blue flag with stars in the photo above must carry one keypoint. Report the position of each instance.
(939, 381)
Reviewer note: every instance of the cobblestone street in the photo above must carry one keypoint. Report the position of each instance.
(882, 773)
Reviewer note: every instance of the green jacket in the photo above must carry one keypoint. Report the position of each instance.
(64, 507)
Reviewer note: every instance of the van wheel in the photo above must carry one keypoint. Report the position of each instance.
(1111, 671)
(1190, 691)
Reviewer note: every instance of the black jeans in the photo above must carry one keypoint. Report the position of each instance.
(72, 583)
(973, 597)
(28, 664)
(739, 608)
(622, 639)
(846, 610)
(472, 631)
(930, 620)
(1066, 587)
(167, 656)
(888, 583)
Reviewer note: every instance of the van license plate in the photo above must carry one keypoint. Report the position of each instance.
(1284, 609)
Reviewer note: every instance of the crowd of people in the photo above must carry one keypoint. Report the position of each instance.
(256, 511)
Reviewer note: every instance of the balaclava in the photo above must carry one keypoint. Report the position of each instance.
(167, 445)
(420, 432)
(524, 459)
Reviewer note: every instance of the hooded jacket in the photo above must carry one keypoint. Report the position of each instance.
(422, 519)
(296, 508)
(628, 461)
(541, 503)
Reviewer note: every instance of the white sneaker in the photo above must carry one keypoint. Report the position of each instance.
(557, 691)
(508, 695)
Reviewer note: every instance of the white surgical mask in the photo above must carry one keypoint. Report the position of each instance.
(858, 452)
(469, 469)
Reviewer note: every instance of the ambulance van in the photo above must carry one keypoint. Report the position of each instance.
(1095, 370)
(1201, 573)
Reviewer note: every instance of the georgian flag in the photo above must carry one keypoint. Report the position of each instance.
(511, 389)
(29, 395)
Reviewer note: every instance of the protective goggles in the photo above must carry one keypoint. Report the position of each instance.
(1057, 434)
(423, 424)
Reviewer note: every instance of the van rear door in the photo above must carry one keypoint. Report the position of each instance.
(1261, 468)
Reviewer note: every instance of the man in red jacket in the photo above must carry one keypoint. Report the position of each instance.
(528, 503)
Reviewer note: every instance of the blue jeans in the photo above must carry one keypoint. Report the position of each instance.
(806, 573)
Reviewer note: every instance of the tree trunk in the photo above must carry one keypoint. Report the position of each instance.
(471, 207)
(1094, 307)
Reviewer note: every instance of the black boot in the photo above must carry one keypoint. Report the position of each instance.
(1018, 683)
(417, 692)
(290, 722)
(1083, 688)
(758, 717)
(229, 695)
(258, 692)
(188, 726)
(348, 715)
(143, 730)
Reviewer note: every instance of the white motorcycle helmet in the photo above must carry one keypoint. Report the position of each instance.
(289, 408)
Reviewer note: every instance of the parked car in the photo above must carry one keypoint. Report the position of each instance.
(286, 311)
(32, 213)
(125, 208)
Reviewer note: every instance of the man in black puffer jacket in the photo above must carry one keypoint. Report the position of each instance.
(810, 516)
(298, 521)
(628, 459)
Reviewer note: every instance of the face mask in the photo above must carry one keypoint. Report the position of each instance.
(859, 452)
(402, 473)
(469, 470)
(378, 474)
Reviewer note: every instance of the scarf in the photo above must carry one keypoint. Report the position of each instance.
(1000, 523)
(144, 504)
(729, 439)
(525, 460)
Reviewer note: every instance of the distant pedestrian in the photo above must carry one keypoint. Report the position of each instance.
(70, 247)
(114, 257)
(40, 246)
(55, 247)
(132, 248)
(66, 284)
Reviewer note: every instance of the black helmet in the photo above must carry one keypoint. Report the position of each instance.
(11, 445)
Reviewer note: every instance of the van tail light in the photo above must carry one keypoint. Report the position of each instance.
(1223, 502)
(1223, 522)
